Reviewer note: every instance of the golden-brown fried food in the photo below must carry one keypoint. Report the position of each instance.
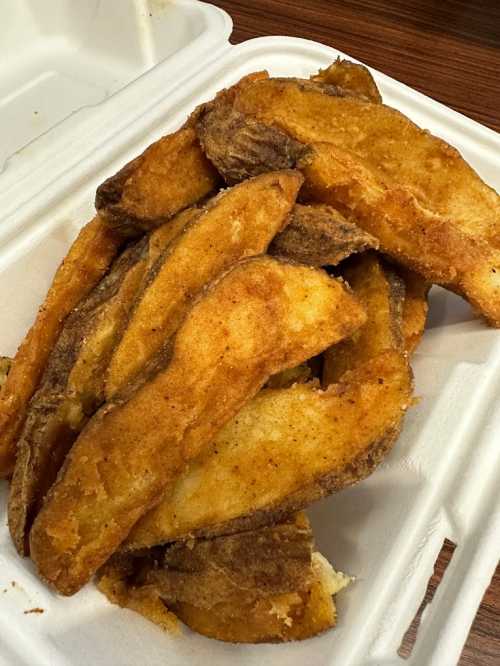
(285, 449)
(382, 292)
(237, 223)
(258, 563)
(266, 584)
(241, 147)
(298, 375)
(414, 192)
(86, 262)
(5, 363)
(319, 235)
(286, 617)
(72, 388)
(171, 174)
(116, 581)
(352, 79)
(259, 318)
(415, 307)
(161, 238)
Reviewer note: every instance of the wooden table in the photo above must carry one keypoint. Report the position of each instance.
(449, 50)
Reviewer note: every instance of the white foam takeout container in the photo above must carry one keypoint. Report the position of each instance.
(84, 87)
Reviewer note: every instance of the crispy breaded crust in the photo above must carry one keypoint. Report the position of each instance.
(382, 293)
(250, 476)
(319, 235)
(411, 190)
(262, 585)
(86, 262)
(236, 568)
(240, 146)
(114, 581)
(287, 617)
(415, 307)
(257, 319)
(237, 223)
(165, 234)
(353, 79)
(72, 388)
(171, 174)
(5, 363)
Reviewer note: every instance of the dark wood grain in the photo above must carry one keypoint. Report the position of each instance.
(449, 50)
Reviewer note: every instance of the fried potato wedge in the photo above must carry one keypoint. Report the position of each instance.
(206, 572)
(382, 292)
(266, 584)
(115, 581)
(415, 308)
(161, 238)
(298, 375)
(257, 319)
(353, 79)
(319, 235)
(86, 262)
(285, 449)
(171, 174)
(72, 388)
(238, 223)
(240, 147)
(5, 363)
(286, 617)
(414, 192)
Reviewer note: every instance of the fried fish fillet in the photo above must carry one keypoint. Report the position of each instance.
(238, 223)
(266, 584)
(319, 235)
(414, 192)
(415, 307)
(257, 319)
(285, 449)
(171, 174)
(382, 292)
(353, 79)
(72, 388)
(86, 262)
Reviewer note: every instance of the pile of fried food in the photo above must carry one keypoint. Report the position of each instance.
(228, 341)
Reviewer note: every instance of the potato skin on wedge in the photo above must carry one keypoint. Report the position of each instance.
(238, 223)
(257, 319)
(414, 192)
(286, 617)
(261, 585)
(319, 235)
(353, 79)
(89, 257)
(171, 174)
(72, 388)
(283, 450)
(241, 147)
(382, 293)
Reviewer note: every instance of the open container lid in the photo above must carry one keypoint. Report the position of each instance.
(109, 78)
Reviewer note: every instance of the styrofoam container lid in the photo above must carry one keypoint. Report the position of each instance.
(108, 78)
